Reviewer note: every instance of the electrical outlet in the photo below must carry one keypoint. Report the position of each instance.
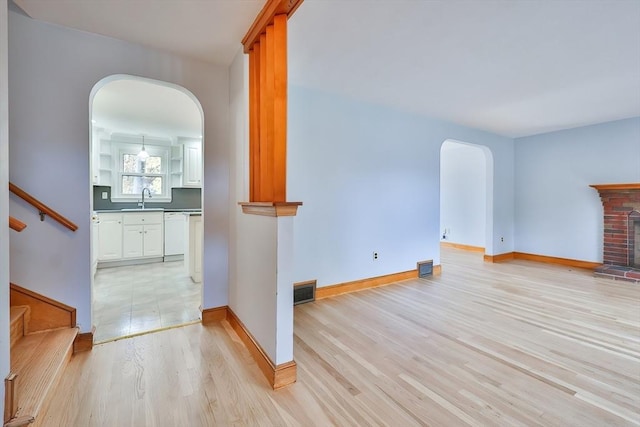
(375, 256)
(502, 239)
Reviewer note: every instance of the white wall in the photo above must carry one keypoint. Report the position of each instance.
(255, 296)
(557, 213)
(369, 178)
(4, 200)
(284, 290)
(463, 193)
(52, 71)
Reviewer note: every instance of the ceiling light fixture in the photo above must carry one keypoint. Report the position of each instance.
(143, 155)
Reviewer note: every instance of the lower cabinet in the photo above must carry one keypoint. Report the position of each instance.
(110, 237)
(95, 245)
(193, 254)
(132, 241)
(142, 241)
(140, 235)
(153, 242)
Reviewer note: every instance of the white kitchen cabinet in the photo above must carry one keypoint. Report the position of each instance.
(142, 234)
(110, 236)
(95, 244)
(193, 254)
(186, 164)
(192, 164)
(132, 241)
(153, 244)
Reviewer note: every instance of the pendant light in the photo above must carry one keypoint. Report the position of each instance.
(143, 155)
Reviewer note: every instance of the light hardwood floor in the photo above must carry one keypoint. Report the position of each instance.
(508, 344)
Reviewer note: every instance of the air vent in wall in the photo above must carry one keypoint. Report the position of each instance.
(304, 292)
(425, 268)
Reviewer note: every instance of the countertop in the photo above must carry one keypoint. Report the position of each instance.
(191, 211)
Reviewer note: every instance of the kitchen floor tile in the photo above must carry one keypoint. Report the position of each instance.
(141, 298)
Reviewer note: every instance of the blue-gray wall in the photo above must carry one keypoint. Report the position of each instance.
(557, 213)
(369, 180)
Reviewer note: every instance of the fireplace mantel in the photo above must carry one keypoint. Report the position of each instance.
(616, 187)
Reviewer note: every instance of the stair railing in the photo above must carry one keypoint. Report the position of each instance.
(16, 224)
(42, 208)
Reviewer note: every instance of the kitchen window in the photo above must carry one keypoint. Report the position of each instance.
(135, 174)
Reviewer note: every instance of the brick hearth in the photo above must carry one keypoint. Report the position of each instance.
(621, 248)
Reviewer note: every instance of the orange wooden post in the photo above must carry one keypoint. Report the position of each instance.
(254, 122)
(280, 109)
(267, 146)
(262, 111)
(266, 44)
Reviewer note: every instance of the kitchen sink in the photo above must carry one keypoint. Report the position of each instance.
(143, 210)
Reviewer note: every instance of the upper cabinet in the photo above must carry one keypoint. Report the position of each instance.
(186, 164)
(192, 174)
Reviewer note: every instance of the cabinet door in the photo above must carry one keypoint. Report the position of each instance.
(132, 241)
(110, 237)
(192, 173)
(95, 246)
(153, 240)
(193, 254)
(197, 261)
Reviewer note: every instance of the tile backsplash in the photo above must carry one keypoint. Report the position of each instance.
(181, 198)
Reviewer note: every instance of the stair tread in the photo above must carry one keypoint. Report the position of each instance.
(38, 359)
(19, 316)
(17, 311)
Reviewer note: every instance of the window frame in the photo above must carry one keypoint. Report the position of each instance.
(120, 150)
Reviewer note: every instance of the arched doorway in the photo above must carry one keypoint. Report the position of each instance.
(146, 147)
(466, 195)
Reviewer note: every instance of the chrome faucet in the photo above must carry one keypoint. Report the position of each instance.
(148, 193)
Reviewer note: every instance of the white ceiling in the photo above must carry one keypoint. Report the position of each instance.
(210, 30)
(512, 67)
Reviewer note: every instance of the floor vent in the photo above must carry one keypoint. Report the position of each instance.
(304, 292)
(425, 268)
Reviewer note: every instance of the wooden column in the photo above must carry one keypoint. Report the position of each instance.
(266, 44)
(254, 121)
(280, 108)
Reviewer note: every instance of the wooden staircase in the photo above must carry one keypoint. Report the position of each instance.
(42, 337)
(42, 334)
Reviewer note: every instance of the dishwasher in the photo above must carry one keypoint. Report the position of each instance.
(174, 230)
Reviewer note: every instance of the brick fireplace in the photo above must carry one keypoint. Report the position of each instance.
(621, 249)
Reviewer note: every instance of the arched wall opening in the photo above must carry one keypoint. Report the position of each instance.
(466, 195)
(129, 116)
